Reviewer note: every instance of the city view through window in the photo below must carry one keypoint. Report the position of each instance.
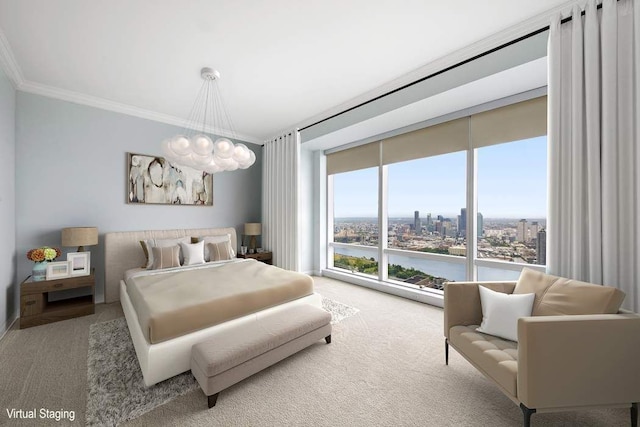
(427, 213)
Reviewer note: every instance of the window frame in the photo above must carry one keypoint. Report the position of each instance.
(471, 261)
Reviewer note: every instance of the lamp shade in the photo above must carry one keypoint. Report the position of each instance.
(252, 229)
(79, 236)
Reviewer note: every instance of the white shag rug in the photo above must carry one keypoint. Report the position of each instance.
(116, 391)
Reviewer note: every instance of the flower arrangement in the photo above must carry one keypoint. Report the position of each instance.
(44, 253)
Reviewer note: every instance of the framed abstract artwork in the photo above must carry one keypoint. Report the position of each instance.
(153, 180)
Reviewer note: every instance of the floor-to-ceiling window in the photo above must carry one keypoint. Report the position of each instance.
(352, 214)
(355, 221)
(423, 231)
(463, 199)
(512, 207)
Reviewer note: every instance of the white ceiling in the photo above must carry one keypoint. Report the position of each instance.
(283, 62)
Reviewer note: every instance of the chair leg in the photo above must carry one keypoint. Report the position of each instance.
(446, 351)
(211, 400)
(526, 412)
(634, 414)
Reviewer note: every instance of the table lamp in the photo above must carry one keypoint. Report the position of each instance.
(252, 229)
(80, 237)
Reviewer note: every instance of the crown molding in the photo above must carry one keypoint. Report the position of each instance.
(505, 36)
(14, 73)
(105, 104)
(8, 62)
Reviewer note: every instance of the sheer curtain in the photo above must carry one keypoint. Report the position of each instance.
(280, 177)
(594, 218)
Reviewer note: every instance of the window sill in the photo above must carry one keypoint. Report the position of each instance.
(425, 296)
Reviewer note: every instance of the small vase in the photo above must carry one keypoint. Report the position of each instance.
(39, 272)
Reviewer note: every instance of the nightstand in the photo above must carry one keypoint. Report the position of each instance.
(35, 309)
(265, 257)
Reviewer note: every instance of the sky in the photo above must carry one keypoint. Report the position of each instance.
(511, 182)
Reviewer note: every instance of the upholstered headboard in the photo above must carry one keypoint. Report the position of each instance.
(123, 252)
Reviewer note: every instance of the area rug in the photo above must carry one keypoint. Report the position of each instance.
(116, 392)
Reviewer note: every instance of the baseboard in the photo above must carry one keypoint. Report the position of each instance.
(313, 273)
(5, 329)
(389, 288)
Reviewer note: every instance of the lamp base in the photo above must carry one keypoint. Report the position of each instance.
(252, 244)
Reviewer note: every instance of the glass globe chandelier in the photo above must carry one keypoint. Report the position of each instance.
(195, 149)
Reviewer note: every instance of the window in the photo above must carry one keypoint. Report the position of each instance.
(423, 196)
(512, 201)
(355, 207)
(355, 221)
(423, 183)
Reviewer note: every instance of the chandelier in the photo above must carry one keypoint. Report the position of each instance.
(195, 149)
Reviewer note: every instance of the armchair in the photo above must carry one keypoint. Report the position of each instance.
(560, 362)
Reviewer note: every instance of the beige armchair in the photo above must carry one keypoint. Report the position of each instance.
(565, 362)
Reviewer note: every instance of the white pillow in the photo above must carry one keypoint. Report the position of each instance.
(500, 312)
(193, 253)
(216, 239)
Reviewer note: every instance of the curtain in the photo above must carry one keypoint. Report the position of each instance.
(280, 199)
(594, 184)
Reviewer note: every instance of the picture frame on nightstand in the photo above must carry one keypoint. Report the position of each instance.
(58, 270)
(80, 263)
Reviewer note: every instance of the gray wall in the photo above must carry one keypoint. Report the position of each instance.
(8, 287)
(71, 171)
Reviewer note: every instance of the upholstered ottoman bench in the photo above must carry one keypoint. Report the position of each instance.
(238, 353)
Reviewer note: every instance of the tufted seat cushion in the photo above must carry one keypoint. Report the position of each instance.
(496, 357)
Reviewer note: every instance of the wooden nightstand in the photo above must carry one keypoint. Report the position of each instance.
(265, 257)
(36, 310)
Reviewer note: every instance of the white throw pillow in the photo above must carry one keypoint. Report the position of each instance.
(500, 312)
(193, 253)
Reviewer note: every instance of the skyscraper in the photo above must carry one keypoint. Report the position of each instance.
(430, 228)
(535, 227)
(541, 247)
(521, 231)
(462, 222)
(480, 225)
(417, 226)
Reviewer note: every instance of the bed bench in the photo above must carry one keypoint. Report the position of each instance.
(238, 353)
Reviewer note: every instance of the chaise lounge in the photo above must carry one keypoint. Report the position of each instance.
(563, 360)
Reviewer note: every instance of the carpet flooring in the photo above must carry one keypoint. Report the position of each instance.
(116, 390)
(384, 367)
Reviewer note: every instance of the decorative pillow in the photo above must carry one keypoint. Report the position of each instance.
(500, 312)
(220, 251)
(162, 243)
(165, 257)
(559, 296)
(145, 249)
(193, 253)
(216, 239)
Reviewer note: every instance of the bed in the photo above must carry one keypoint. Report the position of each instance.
(170, 356)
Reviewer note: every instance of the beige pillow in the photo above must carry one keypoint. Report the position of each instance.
(215, 239)
(165, 257)
(145, 249)
(558, 295)
(161, 243)
(220, 251)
